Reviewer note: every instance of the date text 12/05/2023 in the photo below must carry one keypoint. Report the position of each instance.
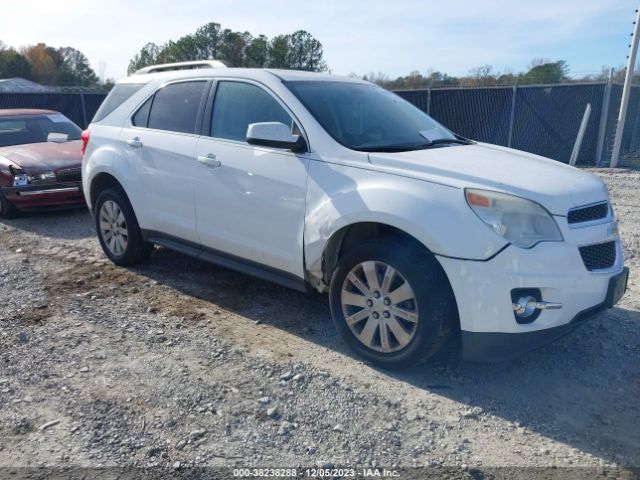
(372, 472)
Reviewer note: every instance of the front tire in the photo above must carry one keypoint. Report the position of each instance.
(118, 229)
(392, 302)
(7, 209)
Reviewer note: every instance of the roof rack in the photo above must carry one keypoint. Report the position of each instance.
(166, 67)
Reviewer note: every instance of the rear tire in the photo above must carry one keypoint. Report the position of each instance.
(118, 229)
(7, 209)
(393, 322)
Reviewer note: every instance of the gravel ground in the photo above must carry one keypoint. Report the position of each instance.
(181, 364)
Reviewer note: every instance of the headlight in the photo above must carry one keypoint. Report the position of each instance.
(43, 178)
(20, 179)
(521, 222)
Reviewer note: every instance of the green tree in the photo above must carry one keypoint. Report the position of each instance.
(305, 52)
(256, 54)
(12, 64)
(299, 50)
(232, 47)
(208, 38)
(439, 79)
(550, 72)
(183, 50)
(279, 52)
(74, 69)
(147, 56)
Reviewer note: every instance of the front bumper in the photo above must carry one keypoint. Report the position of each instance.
(497, 346)
(483, 292)
(32, 197)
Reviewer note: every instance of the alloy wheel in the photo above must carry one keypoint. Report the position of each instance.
(113, 228)
(379, 306)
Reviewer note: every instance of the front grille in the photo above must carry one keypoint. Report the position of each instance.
(69, 175)
(588, 214)
(600, 256)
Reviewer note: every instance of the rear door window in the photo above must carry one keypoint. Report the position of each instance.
(175, 107)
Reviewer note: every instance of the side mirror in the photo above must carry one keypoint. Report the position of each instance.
(276, 135)
(57, 137)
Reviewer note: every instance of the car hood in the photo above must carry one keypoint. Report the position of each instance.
(44, 157)
(556, 186)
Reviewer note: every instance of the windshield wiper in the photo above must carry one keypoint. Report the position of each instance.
(441, 141)
(407, 147)
(395, 148)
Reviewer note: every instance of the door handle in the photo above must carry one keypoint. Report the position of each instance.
(134, 142)
(209, 160)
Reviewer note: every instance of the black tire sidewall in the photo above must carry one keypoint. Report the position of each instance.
(137, 250)
(429, 284)
(7, 209)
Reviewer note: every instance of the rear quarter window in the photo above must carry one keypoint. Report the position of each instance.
(141, 117)
(117, 96)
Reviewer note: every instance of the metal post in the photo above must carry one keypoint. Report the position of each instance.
(581, 130)
(429, 101)
(513, 115)
(622, 116)
(604, 117)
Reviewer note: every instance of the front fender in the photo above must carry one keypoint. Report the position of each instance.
(434, 214)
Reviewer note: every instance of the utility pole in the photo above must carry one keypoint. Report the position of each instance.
(626, 92)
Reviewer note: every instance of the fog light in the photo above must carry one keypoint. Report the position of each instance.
(525, 307)
(527, 304)
(520, 299)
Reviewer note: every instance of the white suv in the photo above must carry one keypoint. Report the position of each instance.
(314, 180)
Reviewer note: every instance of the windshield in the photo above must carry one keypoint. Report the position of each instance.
(22, 129)
(368, 118)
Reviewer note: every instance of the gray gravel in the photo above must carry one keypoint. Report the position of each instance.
(180, 364)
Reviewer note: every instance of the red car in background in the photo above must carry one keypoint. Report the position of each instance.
(40, 161)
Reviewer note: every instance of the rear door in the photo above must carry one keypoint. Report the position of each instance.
(162, 140)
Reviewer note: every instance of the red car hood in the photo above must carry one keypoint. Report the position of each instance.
(44, 157)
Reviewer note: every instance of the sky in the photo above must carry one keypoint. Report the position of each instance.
(359, 36)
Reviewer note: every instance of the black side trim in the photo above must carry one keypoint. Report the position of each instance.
(499, 347)
(474, 259)
(232, 262)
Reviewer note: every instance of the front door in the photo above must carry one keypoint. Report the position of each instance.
(250, 201)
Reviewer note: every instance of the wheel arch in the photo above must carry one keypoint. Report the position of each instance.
(350, 235)
(100, 182)
(347, 237)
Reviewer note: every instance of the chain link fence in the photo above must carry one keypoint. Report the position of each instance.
(541, 119)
